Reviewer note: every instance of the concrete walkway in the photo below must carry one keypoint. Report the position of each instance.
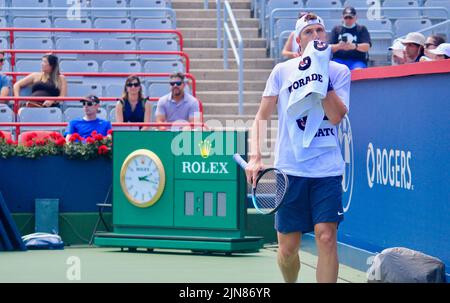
(162, 266)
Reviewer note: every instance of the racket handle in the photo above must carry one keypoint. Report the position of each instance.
(240, 161)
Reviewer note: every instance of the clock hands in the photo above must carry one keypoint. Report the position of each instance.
(145, 178)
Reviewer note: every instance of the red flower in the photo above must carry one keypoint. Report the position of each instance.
(40, 142)
(98, 137)
(2, 135)
(94, 132)
(55, 136)
(60, 142)
(90, 140)
(102, 150)
(29, 143)
(110, 132)
(31, 136)
(74, 137)
(10, 142)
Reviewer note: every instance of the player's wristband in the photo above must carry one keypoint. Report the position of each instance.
(330, 85)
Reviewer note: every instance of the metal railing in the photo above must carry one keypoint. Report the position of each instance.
(436, 26)
(237, 51)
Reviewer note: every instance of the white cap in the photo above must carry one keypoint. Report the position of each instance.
(302, 23)
(442, 49)
(416, 38)
(397, 45)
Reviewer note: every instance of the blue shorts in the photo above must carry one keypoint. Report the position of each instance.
(310, 201)
(351, 64)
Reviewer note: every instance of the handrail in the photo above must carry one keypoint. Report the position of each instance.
(11, 31)
(447, 22)
(238, 53)
(80, 8)
(219, 23)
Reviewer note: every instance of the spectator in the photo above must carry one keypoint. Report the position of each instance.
(414, 47)
(397, 55)
(133, 107)
(291, 47)
(350, 41)
(47, 82)
(432, 42)
(177, 105)
(5, 83)
(86, 125)
(442, 52)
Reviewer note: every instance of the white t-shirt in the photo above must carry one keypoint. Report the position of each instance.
(327, 164)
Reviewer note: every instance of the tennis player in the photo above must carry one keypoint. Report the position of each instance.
(314, 199)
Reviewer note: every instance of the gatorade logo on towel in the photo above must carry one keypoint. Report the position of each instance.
(304, 64)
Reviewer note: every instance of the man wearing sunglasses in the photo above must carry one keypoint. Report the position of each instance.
(350, 42)
(5, 83)
(86, 125)
(178, 105)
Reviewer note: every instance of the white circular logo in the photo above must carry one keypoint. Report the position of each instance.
(370, 159)
(346, 142)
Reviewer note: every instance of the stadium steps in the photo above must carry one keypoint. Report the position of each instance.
(218, 88)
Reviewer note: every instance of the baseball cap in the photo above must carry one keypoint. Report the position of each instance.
(349, 11)
(416, 38)
(442, 49)
(302, 23)
(397, 45)
(90, 98)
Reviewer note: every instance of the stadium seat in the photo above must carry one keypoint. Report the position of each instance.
(78, 112)
(295, 5)
(401, 13)
(32, 43)
(112, 118)
(362, 7)
(66, 23)
(115, 23)
(327, 4)
(81, 90)
(109, 4)
(74, 44)
(163, 67)
(157, 23)
(169, 45)
(376, 25)
(3, 43)
(405, 26)
(40, 22)
(6, 115)
(118, 44)
(437, 14)
(158, 89)
(79, 66)
(44, 114)
(148, 13)
(121, 67)
(3, 23)
(35, 8)
(28, 66)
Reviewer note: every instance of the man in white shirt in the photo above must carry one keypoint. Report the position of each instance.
(314, 199)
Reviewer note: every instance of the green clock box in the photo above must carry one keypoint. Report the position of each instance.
(179, 190)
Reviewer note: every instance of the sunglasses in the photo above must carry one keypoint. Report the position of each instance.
(2, 59)
(88, 103)
(135, 84)
(427, 45)
(348, 18)
(177, 83)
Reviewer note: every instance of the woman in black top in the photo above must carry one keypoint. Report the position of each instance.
(133, 107)
(48, 82)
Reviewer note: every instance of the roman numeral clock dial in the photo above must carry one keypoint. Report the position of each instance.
(142, 178)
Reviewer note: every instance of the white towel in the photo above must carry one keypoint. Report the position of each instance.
(308, 86)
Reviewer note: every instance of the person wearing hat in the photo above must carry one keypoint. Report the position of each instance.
(89, 123)
(314, 198)
(397, 53)
(414, 47)
(350, 41)
(442, 52)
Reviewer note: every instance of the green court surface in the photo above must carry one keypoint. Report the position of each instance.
(160, 266)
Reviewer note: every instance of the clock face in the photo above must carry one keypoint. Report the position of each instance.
(142, 178)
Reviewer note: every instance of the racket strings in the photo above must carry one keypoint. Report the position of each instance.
(270, 190)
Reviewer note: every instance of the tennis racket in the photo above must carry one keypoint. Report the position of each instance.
(271, 187)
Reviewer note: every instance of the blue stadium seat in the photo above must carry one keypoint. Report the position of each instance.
(362, 7)
(3, 23)
(295, 5)
(37, 8)
(32, 43)
(81, 90)
(121, 67)
(4, 43)
(74, 44)
(109, 4)
(6, 115)
(38, 22)
(117, 44)
(147, 4)
(72, 113)
(70, 8)
(116, 23)
(28, 66)
(88, 66)
(405, 26)
(77, 23)
(169, 45)
(327, 14)
(158, 89)
(156, 23)
(159, 66)
(401, 13)
(376, 25)
(437, 14)
(44, 114)
(114, 90)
